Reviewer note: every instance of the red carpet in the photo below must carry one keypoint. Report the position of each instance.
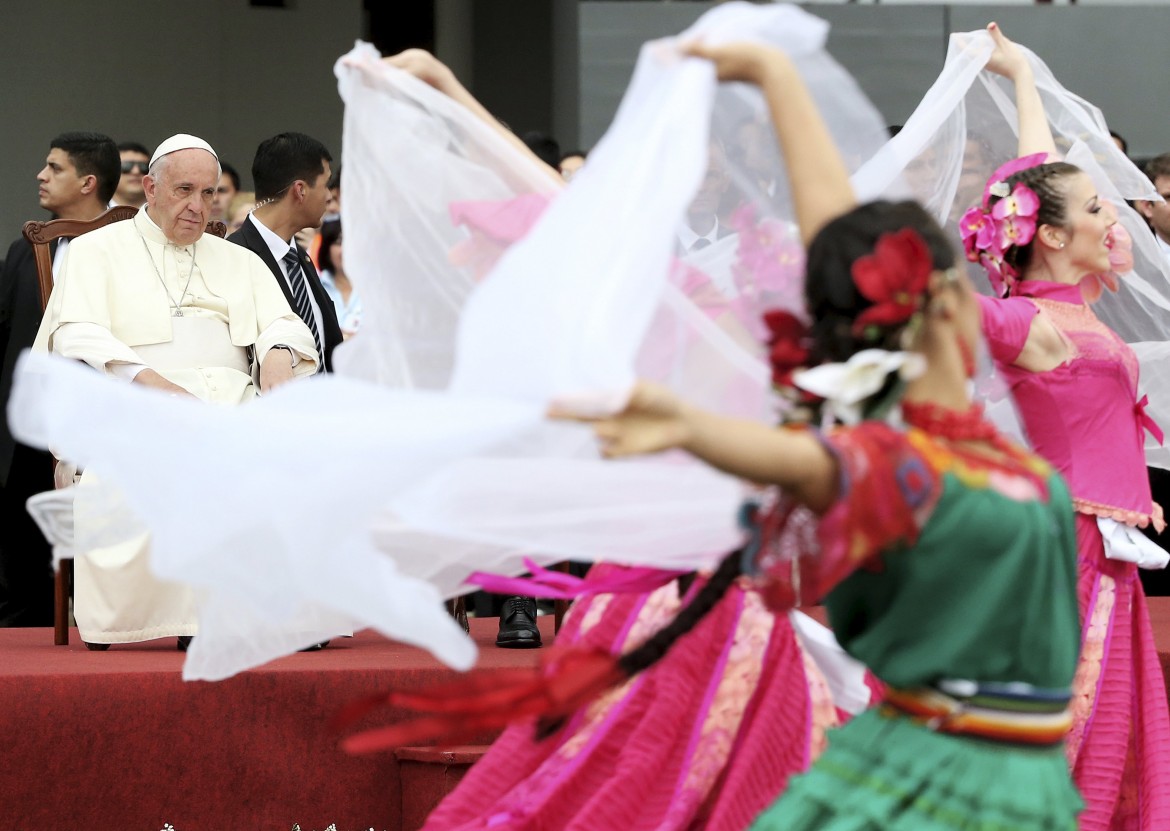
(117, 741)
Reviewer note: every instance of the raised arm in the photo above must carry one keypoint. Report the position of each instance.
(1007, 60)
(655, 419)
(426, 67)
(820, 182)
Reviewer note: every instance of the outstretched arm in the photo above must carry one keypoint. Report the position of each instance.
(426, 67)
(655, 419)
(820, 182)
(1007, 60)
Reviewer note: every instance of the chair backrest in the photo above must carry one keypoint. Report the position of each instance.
(40, 233)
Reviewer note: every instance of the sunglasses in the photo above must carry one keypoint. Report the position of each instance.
(129, 166)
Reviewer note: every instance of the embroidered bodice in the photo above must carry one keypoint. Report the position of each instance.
(932, 564)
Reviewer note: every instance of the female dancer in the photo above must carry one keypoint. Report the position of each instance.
(707, 738)
(945, 551)
(1043, 234)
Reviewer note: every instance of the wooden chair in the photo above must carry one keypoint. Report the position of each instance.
(40, 234)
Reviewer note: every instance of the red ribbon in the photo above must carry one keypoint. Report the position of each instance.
(1147, 421)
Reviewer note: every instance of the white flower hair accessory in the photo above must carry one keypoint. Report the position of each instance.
(846, 386)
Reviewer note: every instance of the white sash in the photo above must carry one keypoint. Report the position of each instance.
(198, 342)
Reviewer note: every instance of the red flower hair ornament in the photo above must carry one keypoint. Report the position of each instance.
(788, 345)
(894, 277)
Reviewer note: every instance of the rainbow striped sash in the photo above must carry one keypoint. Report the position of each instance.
(1015, 713)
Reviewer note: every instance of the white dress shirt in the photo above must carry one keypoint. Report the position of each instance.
(280, 249)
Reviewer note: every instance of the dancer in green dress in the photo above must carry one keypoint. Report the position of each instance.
(944, 553)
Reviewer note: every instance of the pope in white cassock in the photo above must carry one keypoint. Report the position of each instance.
(155, 301)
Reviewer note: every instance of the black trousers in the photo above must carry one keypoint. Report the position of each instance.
(26, 559)
(1157, 583)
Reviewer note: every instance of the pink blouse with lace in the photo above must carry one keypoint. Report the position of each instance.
(1083, 416)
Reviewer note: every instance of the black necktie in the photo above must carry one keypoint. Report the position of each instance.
(300, 290)
(700, 244)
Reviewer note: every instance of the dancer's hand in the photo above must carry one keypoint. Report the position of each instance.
(654, 419)
(430, 70)
(1008, 59)
(427, 68)
(741, 61)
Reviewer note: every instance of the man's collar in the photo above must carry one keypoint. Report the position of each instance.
(688, 237)
(276, 245)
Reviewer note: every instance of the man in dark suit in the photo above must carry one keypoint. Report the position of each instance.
(291, 176)
(80, 176)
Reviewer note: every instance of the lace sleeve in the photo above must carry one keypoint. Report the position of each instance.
(887, 490)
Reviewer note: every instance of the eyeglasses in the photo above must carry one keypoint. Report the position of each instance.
(143, 167)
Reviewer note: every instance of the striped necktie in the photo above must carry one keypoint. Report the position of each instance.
(300, 290)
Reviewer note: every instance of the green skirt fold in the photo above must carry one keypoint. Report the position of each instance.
(888, 773)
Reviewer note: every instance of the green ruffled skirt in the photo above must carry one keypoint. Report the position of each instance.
(888, 773)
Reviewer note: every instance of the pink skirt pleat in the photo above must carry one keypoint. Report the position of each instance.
(705, 739)
(1120, 744)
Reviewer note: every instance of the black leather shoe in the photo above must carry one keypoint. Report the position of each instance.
(518, 624)
(184, 642)
(317, 647)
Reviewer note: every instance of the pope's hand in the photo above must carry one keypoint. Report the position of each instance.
(150, 378)
(275, 369)
(654, 419)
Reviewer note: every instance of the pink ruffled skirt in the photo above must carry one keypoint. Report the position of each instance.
(1119, 745)
(707, 738)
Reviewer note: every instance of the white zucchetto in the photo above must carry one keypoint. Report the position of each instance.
(181, 141)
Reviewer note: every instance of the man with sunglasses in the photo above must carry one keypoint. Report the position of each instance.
(78, 178)
(135, 163)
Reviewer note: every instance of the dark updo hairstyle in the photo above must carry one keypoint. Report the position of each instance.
(834, 302)
(1045, 181)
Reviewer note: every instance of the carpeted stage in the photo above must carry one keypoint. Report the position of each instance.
(116, 741)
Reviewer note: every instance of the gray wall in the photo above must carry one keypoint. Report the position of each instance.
(144, 69)
(1113, 56)
(519, 57)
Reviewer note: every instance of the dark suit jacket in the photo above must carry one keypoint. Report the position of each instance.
(20, 317)
(249, 237)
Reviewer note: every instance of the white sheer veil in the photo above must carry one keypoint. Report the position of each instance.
(433, 457)
(966, 127)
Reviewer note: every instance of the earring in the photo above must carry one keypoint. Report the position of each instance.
(1061, 244)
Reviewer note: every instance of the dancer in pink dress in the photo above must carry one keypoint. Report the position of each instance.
(1044, 236)
(707, 738)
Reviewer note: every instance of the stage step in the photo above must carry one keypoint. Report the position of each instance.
(427, 774)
